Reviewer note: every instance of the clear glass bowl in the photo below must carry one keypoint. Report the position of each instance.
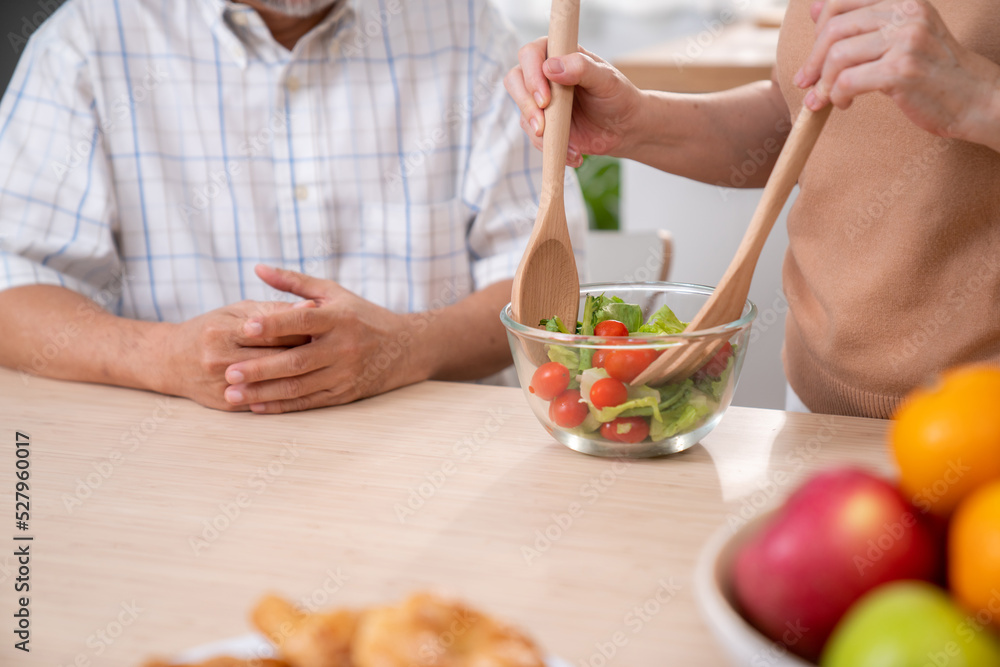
(686, 410)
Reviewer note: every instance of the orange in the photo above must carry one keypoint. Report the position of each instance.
(946, 438)
(974, 555)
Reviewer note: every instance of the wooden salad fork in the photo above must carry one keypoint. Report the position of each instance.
(725, 305)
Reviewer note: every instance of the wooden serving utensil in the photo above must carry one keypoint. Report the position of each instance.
(726, 302)
(546, 283)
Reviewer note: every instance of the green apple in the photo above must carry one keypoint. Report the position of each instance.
(909, 624)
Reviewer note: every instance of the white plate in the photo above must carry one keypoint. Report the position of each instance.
(256, 646)
(713, 592)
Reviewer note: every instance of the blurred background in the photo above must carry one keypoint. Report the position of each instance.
(675, 45)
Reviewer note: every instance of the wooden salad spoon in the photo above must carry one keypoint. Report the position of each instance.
(546, 283)
(726, 302)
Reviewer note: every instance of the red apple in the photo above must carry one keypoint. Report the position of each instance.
(840, 535)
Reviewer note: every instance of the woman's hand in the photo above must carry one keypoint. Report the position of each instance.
(605, 106)
(904, 49)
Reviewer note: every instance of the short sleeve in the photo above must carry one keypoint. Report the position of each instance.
(56, 206)
(504, 174)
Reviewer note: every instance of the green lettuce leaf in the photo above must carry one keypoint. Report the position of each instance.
(714, 387)
(565, 356)
(553, 324)
(628, 314)
(683, 417)
(613, 412)
(663, 321)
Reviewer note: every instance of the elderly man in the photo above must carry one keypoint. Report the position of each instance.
(173, 173)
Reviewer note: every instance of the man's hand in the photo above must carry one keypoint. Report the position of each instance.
(201, 349)
(904, 49)
(341, 363)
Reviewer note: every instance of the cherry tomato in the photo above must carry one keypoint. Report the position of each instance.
(626, 364)
(550, 380)
(609, 328)
(567, 410)
(608, 392)
(717, 364)
(626, 429)
(599, 357)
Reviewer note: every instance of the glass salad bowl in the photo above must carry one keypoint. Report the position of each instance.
(578, 381)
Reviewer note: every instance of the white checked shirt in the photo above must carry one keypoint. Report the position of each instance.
(153, 151)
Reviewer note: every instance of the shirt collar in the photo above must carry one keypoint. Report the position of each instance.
(234, 25)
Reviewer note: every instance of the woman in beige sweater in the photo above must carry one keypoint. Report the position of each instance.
(893, 266)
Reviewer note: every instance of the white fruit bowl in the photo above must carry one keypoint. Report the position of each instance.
(713, 590)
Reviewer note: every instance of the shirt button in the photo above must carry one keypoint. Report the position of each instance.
(301, 193)
(293, 84)
(240, 18)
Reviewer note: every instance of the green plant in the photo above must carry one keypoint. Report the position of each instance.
(600, 179)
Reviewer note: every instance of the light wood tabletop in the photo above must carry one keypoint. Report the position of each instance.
(720, 57)
(157, 523)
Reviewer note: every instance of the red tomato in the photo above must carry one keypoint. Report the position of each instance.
(717, 364)
(567, 409)
(608, 392)
(626, 364)
(626, 429)
(550, 380)
(599, 357)
(609, 328)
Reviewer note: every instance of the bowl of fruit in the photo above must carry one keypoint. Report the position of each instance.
(857, 570)
(580, 378)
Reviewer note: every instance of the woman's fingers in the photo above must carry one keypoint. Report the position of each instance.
(530, 57)
(833, 8)
(844, 55)
(532, 118)
(855, 81)
(841, 28)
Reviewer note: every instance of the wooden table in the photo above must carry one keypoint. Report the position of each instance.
(157, 523)
(717, 58)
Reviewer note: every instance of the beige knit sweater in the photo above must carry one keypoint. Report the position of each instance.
(893, 266)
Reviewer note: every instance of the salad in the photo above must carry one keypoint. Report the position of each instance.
(589, 391)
